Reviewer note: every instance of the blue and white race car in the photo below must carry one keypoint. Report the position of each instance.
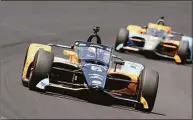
(92, 69)
(155, 40)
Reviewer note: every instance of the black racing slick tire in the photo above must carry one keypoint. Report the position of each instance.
(41, 68)
(148, 86)
(183, 51)
(122, 37)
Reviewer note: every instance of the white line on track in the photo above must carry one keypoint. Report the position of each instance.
(3, 117)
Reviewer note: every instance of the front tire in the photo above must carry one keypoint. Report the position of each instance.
(122, 37)
(42, 66)
(148, 86)
(183, 51)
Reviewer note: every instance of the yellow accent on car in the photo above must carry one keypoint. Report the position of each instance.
(160, 27)
(134, 28)
(144, 102)
(118, 71)
(134, 78)
(177, 58)
(33, 48)
(73, 57)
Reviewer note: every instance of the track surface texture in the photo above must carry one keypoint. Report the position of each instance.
(64, 22)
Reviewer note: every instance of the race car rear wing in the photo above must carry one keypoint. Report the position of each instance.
(177, 33)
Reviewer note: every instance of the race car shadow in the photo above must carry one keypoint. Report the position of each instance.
(82, 97)
(167, 60)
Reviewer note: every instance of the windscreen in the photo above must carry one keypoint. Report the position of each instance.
(156, 32)
(93, 53)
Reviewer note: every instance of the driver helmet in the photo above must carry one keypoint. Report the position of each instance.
(91, 51)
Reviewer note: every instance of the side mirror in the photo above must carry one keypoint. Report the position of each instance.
(114, 56)
(69, 53)
(118, 62)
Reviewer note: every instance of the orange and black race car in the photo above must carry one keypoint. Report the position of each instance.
(93, 69)
(155, 40)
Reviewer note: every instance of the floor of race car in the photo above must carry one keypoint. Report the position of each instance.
(63, 22)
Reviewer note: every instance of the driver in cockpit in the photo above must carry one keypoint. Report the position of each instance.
(91, 52)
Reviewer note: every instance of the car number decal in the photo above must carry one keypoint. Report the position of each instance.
(96, 68)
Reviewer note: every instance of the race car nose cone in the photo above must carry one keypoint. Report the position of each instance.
(95, 88)
(151, 43)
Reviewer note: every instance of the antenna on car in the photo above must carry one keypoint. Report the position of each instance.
(162, 17)
(161, 21)
(96, 29)
(94, 34)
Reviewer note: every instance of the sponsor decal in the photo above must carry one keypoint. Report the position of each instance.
(96, 82)
(81, 44)
(92, 45)
(102, 67)
(43, 83)
(96, 77)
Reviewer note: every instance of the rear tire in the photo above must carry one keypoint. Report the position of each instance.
(122, 37)
(42, 66)
(183, 51)
(148, 86)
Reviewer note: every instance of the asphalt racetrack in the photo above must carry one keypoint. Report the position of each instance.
(22, 23)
